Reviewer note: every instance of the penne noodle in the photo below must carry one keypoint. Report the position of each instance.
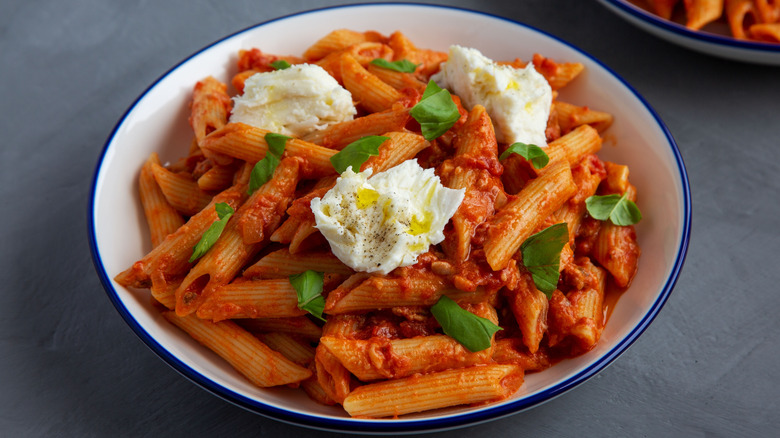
(428, 60)
(587, 175)
(298, 326)
(518, 219)
(161, 217)
(510, 351)
(363, 53)
(400, 146)
(473, 168)
(471, 385)
(282, 264)
(617, 250)
(331, 375)
(239, 79)
(377, 292)
(164, 292)
(286, 231)
(529, 307)
(248, 143)
(338, 40)
(339, 135)
(702, 12)
(571, 116)
(171, 257)
(209, 108)
(182, 193)
(367, 90)
(396, 79)
(248, 355)
(217, 178)
(574, 146)
(558, 75)
(769, 32)
(231, 251)
(299, 352)
(256, 60)
(380, 358)
(251, 299)
(738, 13)
(768, 12)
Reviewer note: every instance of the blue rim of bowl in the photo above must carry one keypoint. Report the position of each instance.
(683, 31)
(393, 426)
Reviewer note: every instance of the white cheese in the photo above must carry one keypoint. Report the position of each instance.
(379, 223)
(517, 100)
(294, 101)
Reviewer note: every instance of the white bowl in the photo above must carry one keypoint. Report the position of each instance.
(720, 44)
(157, 121)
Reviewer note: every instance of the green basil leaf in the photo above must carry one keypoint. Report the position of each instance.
(470, 330)
(265, 168)
(619, 209)
(280, 64)
(542, 256)
(403, 66)
(276, 143)
(356, 153)
(308, 287)
(530, 152)
(207, 240)
(223, 209)
(435, 112)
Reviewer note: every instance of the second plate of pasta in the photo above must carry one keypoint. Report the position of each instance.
(249, 301)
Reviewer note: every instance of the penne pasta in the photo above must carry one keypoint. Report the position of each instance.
(377, 292)
(171, 257)
(339, 135)
(368, 90)
(258, 363)
(462, 321)
(251, 299)
(433, 391)
(380, 358)
(298, 326)
(338, 40)
(518, 219)
(282, 264)
(701, 12)
(248, 143)
(231, 251)
(182, 193)
(162, 218)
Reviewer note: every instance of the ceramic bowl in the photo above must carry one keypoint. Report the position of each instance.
(157, 121)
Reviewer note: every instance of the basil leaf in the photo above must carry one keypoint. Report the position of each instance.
(356, 153)
(280, 64)
(435, 112)
(470, 330)
(619, 209)
(542, 256)
(210, 236)
(308, 287)
(403, 66)
(530, 152)
(264, 169)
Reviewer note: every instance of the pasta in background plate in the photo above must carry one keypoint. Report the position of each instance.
(756, 20)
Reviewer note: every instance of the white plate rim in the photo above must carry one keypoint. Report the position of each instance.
(395, 426)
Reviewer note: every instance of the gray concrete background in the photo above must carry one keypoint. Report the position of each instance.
(70, 366)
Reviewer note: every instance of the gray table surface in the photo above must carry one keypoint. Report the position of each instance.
(70, 366)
